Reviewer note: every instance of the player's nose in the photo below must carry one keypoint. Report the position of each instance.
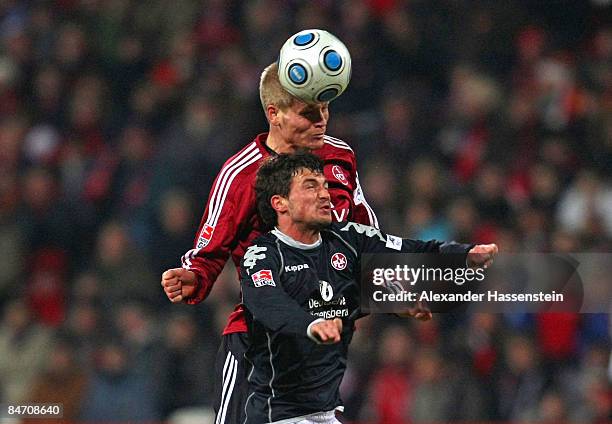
(319, 118)
(324, 194)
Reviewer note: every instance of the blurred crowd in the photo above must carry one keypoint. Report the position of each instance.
(483, 121)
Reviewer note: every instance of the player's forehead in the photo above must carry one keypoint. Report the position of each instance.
(303, 175)
(301, 107)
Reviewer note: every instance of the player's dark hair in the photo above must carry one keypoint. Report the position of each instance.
(274, 177)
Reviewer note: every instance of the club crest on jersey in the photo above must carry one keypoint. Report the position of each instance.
(338, 261)
(263, 278)
(339, 174)
(327, 292)
(205, 235)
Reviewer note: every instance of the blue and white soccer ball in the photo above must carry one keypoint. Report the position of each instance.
(314, 66)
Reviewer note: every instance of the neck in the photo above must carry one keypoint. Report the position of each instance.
(277, 143)
(300, 233)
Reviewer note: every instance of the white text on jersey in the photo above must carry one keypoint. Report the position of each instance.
(291, 268)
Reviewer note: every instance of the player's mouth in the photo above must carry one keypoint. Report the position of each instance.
(318, 137)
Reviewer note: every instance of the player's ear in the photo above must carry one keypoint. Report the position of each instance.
(279, 203)
(272, 113)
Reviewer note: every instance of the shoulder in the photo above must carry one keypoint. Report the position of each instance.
(335, 149)
(263, 243)
(348, 230)
(262, 251)
(239, 171)
(244, 161)
(336, 143)
(265, 239)
(350, 226)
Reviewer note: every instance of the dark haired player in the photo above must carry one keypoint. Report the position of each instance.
(299, 284)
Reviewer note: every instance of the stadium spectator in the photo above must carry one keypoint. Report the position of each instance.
(24, 346)
(62, 382)
(183, 365)
(116, 387)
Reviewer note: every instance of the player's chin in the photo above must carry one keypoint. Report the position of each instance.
(316, 142)
(325, 219)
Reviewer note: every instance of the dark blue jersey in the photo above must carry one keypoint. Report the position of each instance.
(286, 286)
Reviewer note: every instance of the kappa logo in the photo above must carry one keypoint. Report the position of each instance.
(339, 174)
(263, 278)
(291, 268)
(338, 261)
(205, 235)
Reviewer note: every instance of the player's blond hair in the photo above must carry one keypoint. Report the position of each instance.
(271, 92)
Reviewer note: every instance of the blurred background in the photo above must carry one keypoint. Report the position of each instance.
(472, 120)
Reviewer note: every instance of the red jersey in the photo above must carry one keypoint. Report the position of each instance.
(230, 221)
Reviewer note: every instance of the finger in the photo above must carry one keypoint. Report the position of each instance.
(169, 281)
(173, 294)
(171, 273)
(177, 299)
(321, 335)
(171, 284)
(173, 289)
(333, 336)
(317, 331)
(338, 323)
(333, 333)
(424, 316)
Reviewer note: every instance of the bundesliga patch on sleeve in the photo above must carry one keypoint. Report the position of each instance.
(394, 242)
(263, 278)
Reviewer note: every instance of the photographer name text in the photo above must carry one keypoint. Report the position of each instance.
(469, 296)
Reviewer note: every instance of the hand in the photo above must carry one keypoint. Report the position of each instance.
(328, 331)
(419, 311)
(481, 255)
(179, 284)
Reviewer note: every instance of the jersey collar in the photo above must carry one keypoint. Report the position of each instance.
(294, 243)
(261, 140)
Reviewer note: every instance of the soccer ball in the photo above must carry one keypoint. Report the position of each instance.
(314, 66)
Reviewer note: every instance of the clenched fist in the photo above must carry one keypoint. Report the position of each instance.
(328, 331)
(178, 284)
(481, 255)
(419, 311)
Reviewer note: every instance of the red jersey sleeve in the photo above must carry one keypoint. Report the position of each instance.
(226, 211)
